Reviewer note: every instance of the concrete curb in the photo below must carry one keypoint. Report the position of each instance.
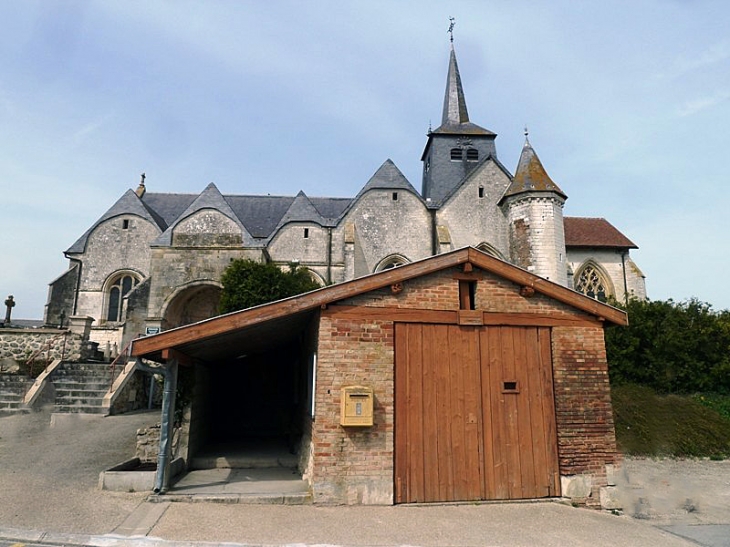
(114, 540)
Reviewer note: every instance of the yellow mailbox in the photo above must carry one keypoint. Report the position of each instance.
(357, 406)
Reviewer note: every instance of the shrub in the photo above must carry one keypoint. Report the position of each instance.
(247, 283)
(671, 347)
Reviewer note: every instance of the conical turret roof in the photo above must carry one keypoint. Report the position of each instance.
(531, 175)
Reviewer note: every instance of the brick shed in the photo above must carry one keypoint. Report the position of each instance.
(487, 383)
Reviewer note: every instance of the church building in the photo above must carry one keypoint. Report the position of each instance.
(154, 261)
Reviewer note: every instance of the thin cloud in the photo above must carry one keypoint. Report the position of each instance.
(703, 103)
(89, 129)
(715, 54)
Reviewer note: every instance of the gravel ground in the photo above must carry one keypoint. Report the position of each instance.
(49, 474)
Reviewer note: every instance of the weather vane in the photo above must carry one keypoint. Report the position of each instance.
(452, 22)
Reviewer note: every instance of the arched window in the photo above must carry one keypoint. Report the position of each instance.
(456, 154)
(472, 154)
(591, 282)
(392, 261)
(487, 248)
(116, 290)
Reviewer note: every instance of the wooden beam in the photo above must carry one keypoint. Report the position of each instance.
(182, 358)
(328, 295)
(315, 299)
(548, 288)
(448, 317)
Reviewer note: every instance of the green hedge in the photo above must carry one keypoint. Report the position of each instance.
(672, 347)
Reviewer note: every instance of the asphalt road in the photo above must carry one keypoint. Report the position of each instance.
(49, 495)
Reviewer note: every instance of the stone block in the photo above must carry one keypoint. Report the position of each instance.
(576, 486)
(611, 474)
(610, 498)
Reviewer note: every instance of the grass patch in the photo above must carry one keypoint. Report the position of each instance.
(715, 401)
(648, 424)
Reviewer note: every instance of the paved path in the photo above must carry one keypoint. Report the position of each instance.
(48, 493)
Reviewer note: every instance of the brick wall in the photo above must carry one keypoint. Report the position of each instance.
(354, 465)
(583, 412)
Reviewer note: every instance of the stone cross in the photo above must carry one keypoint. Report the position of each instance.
(9, 303)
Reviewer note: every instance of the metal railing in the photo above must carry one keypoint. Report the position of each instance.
(125, 352)
(47, 348)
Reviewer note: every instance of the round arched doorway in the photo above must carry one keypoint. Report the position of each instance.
(192, 304)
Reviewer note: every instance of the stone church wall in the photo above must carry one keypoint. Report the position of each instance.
(302, 242)
(472, 220)
(385, 226)
(207, 228)
(171, 268)
(112, 248)
(61, 293)
(610, 264)
(537, 236)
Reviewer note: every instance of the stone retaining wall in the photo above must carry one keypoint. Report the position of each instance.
(20, 344)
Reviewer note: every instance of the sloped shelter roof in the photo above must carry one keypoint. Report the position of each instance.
(230, 335)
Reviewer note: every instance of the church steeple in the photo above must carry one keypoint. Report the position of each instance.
(457, 146)
(455, 112)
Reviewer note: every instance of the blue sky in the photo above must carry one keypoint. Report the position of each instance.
(627, 103)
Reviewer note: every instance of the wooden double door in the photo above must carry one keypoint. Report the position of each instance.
(474, 413)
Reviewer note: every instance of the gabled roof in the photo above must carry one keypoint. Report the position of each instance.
(128, 204)
(218, 333)
(531, 176)
(210, 198)
(302, 210)
(388, 177)
(594, 232)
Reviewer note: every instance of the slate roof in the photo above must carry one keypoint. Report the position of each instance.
(531, 176)
(455, 117)
(129, 203)
(259, 215)
(594, 232)
(388, 176)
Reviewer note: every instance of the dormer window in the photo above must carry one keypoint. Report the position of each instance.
(456, 154)
(472, 154)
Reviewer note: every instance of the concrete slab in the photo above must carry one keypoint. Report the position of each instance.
(258, 453)
(141, 521)
(708, 535)
(273, 485)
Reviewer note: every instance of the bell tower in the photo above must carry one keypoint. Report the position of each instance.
(457, 145)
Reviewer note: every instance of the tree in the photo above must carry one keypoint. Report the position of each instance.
(248, 283)
(672, 347)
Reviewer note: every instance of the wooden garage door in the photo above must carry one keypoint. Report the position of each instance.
(474, 414)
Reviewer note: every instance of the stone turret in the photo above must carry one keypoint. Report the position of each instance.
(534, 208)
(457, 146)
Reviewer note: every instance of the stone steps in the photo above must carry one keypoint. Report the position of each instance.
(12, 393)
(80, 387)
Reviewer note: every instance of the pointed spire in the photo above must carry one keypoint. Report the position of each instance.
(530, 175)
(455, 112)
